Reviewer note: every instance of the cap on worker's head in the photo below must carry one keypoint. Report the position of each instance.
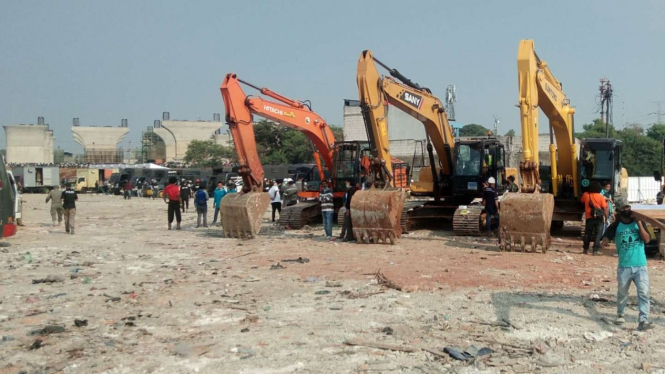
(491, 180)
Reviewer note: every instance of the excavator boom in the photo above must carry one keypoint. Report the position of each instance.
(526, 218)
(242, 213)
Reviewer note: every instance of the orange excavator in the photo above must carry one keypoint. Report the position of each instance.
(242, 213)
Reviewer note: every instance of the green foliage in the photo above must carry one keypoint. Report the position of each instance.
(473, 129)
(510, 132)
(281, 145)
(338, 131)
(207, 154)
(656, 132)
(641, 154)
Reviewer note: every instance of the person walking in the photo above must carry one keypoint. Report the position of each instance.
(185, 194)
(630, 236)
(595, 212)
(275, 200)
(351, 190)
(55, 197)
(491, 199)
(128, 190)
(69, 198)
(219, 193)
(327, 208)
(172, 193)
(201, 204)
(97, 187)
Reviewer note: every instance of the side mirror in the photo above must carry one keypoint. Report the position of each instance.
(657, 176)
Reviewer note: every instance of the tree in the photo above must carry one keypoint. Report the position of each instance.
(473, 129)
(207, 154)
(656, 131)
(338, 131)
(510, 132)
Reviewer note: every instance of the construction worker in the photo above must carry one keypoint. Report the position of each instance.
(55, 196)
(69, 198)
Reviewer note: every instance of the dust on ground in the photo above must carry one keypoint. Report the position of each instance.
(148, 300)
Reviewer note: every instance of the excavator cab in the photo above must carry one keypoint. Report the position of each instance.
(476, 161)
(600, 161)
(351, 160)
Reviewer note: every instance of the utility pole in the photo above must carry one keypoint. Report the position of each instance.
(451, 99)
(659, 113)
(497, 120)
(606, 94)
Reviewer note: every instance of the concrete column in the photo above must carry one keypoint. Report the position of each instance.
(186, 131)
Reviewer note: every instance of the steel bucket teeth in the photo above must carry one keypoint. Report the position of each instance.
(242, 214)
(525, 222)
(376, 215)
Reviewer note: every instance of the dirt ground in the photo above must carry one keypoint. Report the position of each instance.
(191, 301)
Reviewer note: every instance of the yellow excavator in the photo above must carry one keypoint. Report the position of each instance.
(463, 166)
(550, 195)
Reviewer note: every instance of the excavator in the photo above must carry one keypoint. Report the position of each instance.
(550, 195)
(242, 213)
(463, 166)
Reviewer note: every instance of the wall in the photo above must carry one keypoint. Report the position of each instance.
(29, 144)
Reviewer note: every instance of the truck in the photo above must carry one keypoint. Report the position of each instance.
(36, 178)
(87, 178)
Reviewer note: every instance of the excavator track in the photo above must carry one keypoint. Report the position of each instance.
(376, 215)
(467, 221)
(525, 222)
(297, 216)
(242, 214)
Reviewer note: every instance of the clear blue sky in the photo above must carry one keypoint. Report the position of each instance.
(103, 61)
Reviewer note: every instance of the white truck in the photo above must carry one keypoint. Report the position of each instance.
(36, 178)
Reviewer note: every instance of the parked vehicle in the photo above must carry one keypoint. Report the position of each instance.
(7, 203)
(18, 203)
(36, 179)
(87, 178)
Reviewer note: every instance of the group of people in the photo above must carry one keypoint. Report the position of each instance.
(177, 198)
(63, 204)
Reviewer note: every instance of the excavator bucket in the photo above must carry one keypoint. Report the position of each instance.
(525, 222)
(242, 213)
(376, 214)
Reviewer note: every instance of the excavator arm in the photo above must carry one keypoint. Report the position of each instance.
(526, 218)
(538, 88)
(377, 91)
(287, 112)
(242, 213)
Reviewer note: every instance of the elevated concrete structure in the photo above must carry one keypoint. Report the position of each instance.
(100, 143)
(29, 143)
(177, 134)
(169, 142)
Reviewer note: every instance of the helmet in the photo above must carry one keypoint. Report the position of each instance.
(491, 180)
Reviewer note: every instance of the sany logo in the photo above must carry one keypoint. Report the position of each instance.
(270, 109)
(412, 99)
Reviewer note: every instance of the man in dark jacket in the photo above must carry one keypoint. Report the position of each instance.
(185, 194)
(351, 190)
(69, 198)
